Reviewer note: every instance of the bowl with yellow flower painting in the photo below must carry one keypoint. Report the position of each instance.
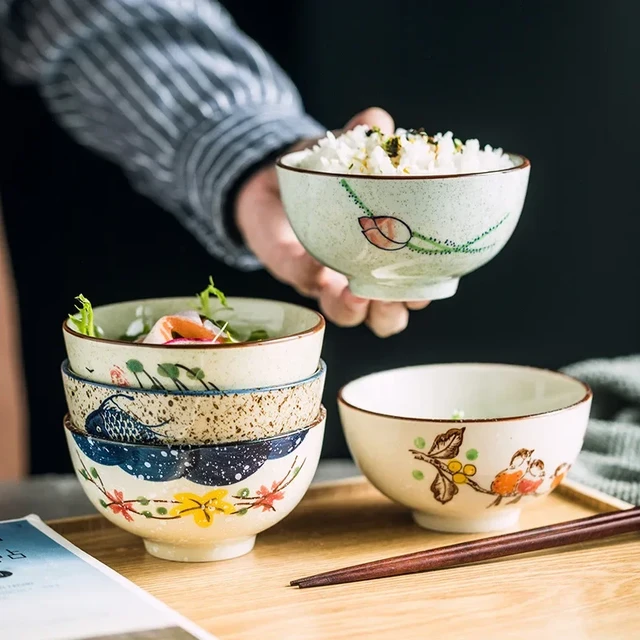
(465, 446)
(197, 503)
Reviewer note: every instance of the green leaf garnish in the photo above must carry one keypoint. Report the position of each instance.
(204, 296)
(83, 320)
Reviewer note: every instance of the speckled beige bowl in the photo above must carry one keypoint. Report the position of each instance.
(291, 352)
(403, 237)
(155, 416)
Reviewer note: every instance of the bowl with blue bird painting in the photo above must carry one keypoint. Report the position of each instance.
(197, 503)
(274, 343)
(188, 417)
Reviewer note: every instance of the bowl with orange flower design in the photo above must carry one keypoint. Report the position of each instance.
(465, 446)
(403, 237)
(197, 503)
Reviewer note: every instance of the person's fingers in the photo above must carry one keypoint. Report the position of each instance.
(387, 318)
(338, 304)
(418, 305)
(373, 117)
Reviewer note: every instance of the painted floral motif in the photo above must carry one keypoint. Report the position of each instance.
(392, 234)
(172, 372)
(268, 496)
(385, 232)
(119, 377)
(202, 508)
(524, 476)
(118, 505)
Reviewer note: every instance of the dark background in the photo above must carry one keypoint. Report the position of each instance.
(556, 81)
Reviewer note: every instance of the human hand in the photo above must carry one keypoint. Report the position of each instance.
(263, 223)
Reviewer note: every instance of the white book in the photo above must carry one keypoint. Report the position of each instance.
(51, 590)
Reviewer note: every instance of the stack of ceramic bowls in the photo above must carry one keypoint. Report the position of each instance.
(196, 448)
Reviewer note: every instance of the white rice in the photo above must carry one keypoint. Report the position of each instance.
(365, 151)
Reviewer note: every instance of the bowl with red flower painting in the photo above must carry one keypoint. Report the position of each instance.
(161, 416)
(403, 217)
(194, 344)
(465, 447)
(197, 504)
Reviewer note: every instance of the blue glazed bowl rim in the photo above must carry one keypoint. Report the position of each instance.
(69, 426)
(69, 373)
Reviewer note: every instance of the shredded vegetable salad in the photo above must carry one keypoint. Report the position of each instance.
(190, 326)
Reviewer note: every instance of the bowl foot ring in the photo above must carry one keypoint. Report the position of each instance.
(499, 521)
(403, 290)
(223, 550)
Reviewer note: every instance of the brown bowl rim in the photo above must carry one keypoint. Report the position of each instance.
(449, 421)
(319, 326)
(399, 178)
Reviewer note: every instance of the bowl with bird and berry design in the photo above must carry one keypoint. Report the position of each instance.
(465, 447)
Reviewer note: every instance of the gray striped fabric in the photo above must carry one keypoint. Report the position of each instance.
(170, 90)
(610, 458)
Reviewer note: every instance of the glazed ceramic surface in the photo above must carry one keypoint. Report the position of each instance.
(522, 430)
(399, 238)
(200, 503)
(190, 417)
(291, 353)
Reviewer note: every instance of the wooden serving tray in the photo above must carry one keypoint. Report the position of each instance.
(589, 591)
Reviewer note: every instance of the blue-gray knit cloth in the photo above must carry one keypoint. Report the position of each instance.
(610, 458)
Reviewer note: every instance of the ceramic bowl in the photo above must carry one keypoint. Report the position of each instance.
(403, 238)
(197, 504)
(291, 353)
(190, 417)
(522, 430)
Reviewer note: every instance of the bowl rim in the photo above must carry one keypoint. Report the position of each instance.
(72, 429)
(319, 326)
(450, 421)
(67, 372)
(525, 162)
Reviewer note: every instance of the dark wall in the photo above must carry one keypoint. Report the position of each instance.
(556, 81)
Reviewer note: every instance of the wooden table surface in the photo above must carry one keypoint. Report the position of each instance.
(591, 591)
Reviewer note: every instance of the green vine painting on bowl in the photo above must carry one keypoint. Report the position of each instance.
(524, 475)
(167, 373)
(390, 233)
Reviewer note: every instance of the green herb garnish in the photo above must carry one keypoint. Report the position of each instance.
(258, 334)
(457, 415)
(392, 146)
(84, 323)
(204, 296)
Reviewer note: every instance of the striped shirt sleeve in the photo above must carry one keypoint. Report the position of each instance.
(170, 90)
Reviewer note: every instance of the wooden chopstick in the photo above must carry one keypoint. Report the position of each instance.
(595, 527)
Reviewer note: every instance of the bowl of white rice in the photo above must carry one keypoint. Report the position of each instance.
(403, 216)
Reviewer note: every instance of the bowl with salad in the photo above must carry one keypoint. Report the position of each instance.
(206, 342)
